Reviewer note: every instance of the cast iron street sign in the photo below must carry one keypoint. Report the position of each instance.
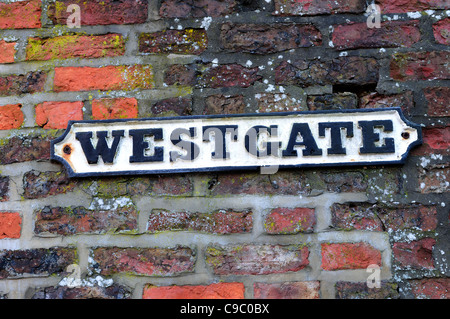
(235, 142)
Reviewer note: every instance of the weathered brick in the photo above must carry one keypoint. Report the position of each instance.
(266, 38)
(287, 290)
(196, 8)
(277, 102)
(366, 216)
(401, 6)
(31, 82)
(415, 254)
(172, 106)
(437, 99)
(436, 140)
(222, 290)
(249, 259)
(220, 104)
(217, 222)
(434, 179)
(316, 7)
(114, 291)
(416, 66)
(11, 116)
(360, 290)
(144, 261)
(56, 115)
(43, 184)
(285, 183)
(70, 221)
(179, 74)
(431, 288)
(374, 100)
(7, 51)
(75, 46)
(118, 108)
(101, 12)
(187, 41)
(20, 15)
(342, 70)
(10, 225)
(441, 31)
(228, 75)
(4, 188)
(40, 261)
(111, 77)
(349, 256)
(290, 220)
(339, 182)
(390, 34)
(26, 148)
(334, 101)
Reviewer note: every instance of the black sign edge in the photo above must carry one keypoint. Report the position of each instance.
(72, 174)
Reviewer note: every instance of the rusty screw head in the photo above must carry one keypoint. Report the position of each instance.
(67, 149)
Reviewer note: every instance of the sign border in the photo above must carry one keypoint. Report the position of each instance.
(71, 173)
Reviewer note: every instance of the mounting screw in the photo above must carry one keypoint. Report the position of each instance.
(67, 149)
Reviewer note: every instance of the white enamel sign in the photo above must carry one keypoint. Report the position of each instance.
(235, 142)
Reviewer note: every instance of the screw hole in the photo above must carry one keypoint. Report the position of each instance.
(67, 149)
(405, 135)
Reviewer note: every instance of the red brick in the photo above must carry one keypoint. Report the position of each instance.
(290, 220)
(218, 222)
(187, 41)
(74, 46)
(414, 66)
(431, 288)
(365, 216)
(17, 84)
(10, 225)
(342, 70)
(39, 261)
(119, 108)
(390, 34)
(315, 7)
(7, 51)
(437, 98)
(228, 75)
(249, 259)
(287, 290)
(349, 256)
(78, 220)
(223, 290)
(124, 77)
(196, 8)
(435, 141)
(56, 115)
(402, 6)
(11, 116)
(144, 261)
(441, 31)
(434, 179)
(374, 100)
(101, 12)
(416, 254)
(20, 15)
(266, 38)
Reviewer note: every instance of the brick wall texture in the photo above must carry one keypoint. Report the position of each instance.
(298, 233)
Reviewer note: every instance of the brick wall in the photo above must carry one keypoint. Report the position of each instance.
(302, 233)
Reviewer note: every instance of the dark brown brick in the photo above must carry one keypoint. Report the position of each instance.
(42, 184)
(220, 104)
(115, 291)
(19, 149)
(31, 82)
(196, 8)
(228, 75)
(187, 41)
(335, 101)
(360, 290)
(4, 188)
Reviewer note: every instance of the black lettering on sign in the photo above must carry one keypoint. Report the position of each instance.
(267, 149)
(220, 148)
(140, 145)
(101, 149)
(191, 148)
(335, 135)
(369, 137)
(302, 130)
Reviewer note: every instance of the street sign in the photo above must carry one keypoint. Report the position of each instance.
(235, 142)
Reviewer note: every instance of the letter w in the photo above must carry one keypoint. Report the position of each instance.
(102, 149)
